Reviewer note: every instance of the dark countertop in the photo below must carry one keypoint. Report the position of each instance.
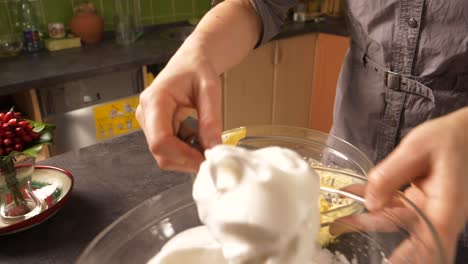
(48, 68)
(110, 178)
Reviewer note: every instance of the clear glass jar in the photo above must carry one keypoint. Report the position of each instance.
(127, 24)
(10, 42)
(17, 200)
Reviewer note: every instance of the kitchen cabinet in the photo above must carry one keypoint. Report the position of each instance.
(293, 80)
(330, 52)
(248, 89)
(273, 85)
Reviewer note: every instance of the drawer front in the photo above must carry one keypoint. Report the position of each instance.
(90, 91)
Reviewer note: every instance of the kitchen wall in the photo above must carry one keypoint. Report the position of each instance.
(153, 11)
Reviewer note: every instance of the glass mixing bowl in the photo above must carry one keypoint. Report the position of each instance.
(138, 235)
(400, 233)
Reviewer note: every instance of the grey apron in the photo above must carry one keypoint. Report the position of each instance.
(407, 63)
(412, 68)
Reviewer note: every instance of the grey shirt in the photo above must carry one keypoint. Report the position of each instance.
(407, 63)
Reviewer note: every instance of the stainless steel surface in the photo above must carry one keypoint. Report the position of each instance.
(70, 106)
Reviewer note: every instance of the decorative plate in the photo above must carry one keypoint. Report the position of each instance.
(53, 185)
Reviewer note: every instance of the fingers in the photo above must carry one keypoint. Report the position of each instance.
(155, 114)
(173, 154)
(406, 163)
(405, 253)
(181, 114)
(422, 241)
(208, 100)
(164, 105)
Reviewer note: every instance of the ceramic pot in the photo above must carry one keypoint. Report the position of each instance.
(88, 26)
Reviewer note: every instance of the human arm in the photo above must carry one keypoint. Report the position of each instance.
(191, 79)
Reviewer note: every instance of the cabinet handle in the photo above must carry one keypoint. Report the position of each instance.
(278, 55)
(87, 99)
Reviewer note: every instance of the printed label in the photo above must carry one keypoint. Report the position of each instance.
(115, 118)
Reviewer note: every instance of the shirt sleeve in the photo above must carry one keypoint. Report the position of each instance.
(273, 14)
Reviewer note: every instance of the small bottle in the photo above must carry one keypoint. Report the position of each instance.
(29, 25)
(300, 12)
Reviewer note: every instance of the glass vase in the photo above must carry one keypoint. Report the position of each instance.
(17, 200)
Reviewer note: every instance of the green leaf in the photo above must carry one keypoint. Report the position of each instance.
(33, 151)
(40, 127)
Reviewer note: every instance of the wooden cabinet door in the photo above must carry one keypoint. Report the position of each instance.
(248, 90)
(293, 83)
(329, 57)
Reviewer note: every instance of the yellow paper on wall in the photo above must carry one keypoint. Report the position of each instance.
(116, 118)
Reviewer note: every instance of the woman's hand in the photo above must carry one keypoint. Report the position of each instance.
(433, 158)
(221, 40)
(188, 81)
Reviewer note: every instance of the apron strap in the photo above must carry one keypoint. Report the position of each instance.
(399, 82)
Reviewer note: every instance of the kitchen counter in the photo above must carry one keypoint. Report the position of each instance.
(48, 68)
(110, 178)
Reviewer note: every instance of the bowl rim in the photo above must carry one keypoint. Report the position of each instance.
(368, 162)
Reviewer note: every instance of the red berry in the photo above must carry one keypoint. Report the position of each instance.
(2, 133)
(30, 127)
(9, 134)
(1, 152)
(19, 131)
(8, 116)
(18, 147)
(18, 115)
(17, 140)
(27, 138)
(2, 115)
(23, 123)
(7, 142)
(8, 150)
(35, 135)
(13, 122)
(6, 126)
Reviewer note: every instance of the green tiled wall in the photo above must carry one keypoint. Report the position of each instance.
(153, 11)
